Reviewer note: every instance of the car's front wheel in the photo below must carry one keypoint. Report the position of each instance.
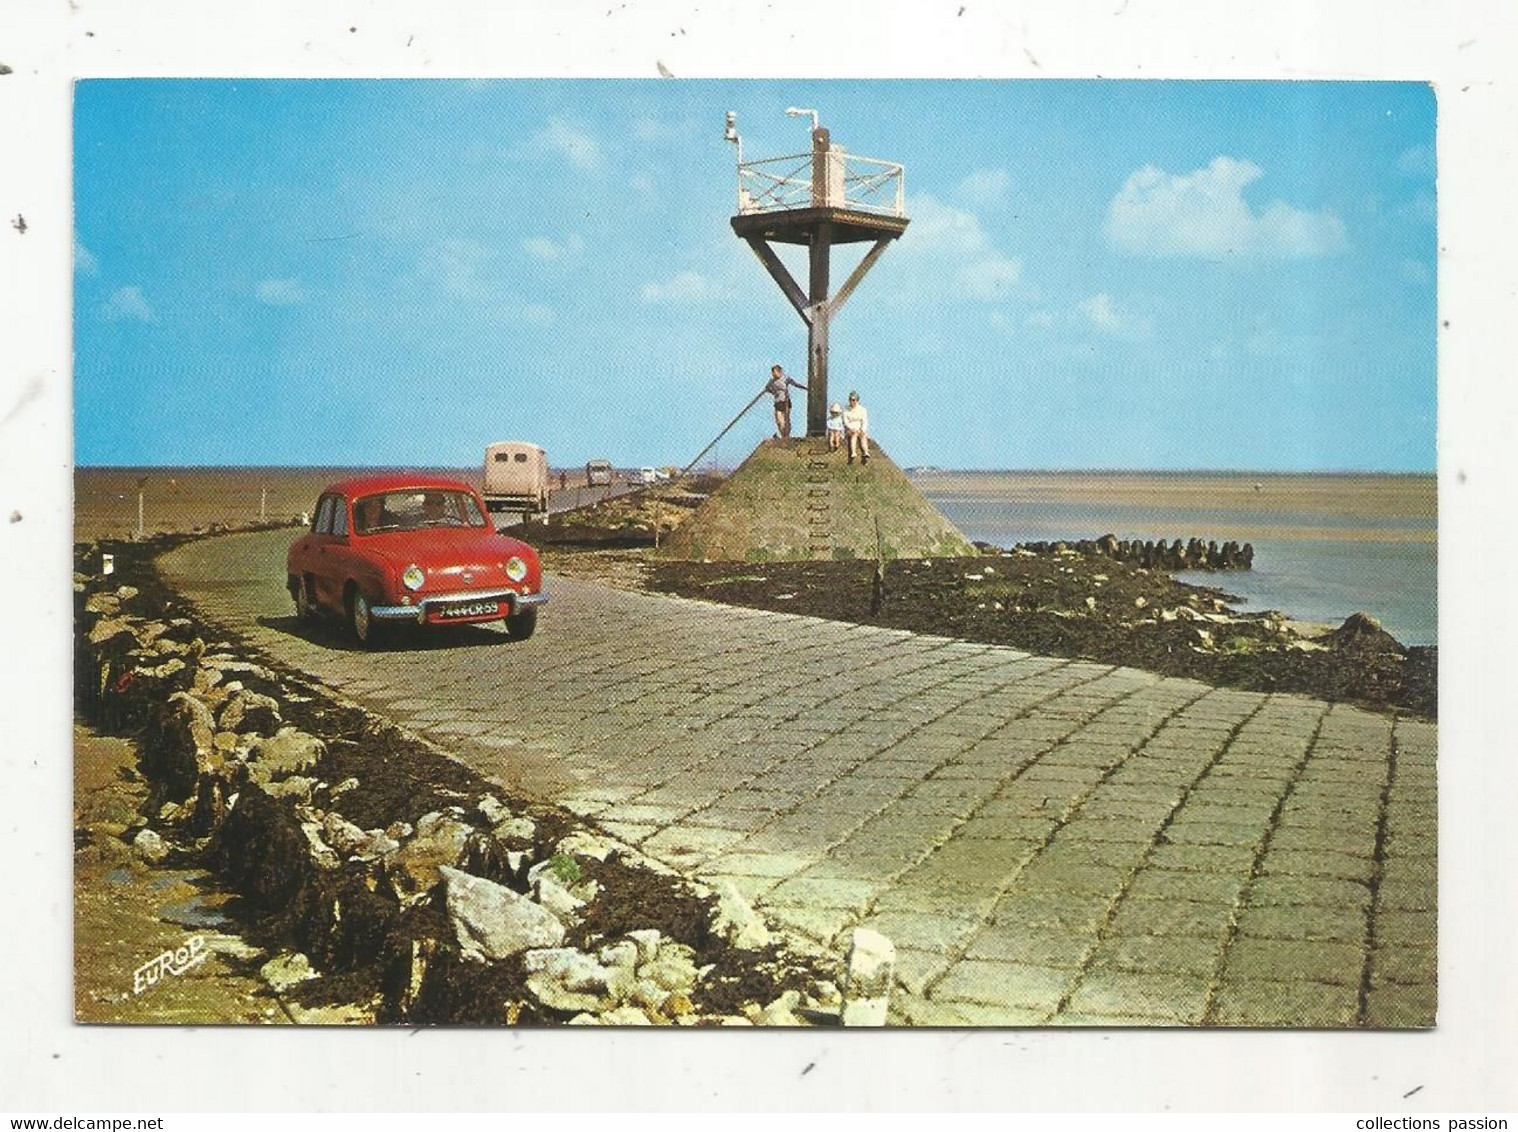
(520, 626)
(361, 619)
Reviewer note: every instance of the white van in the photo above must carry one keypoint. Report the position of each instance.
(516, 477)
(648, 475)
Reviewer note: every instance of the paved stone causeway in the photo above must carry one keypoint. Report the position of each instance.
(1046, 841)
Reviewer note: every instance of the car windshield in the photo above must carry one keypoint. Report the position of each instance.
(414, 508)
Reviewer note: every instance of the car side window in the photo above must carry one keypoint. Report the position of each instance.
(323, 524)
(340, 517)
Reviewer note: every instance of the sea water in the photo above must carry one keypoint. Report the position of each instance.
(1317, 564)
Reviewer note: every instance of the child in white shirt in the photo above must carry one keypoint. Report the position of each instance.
(835, 427)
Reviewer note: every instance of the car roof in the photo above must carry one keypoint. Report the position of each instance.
(395, 481)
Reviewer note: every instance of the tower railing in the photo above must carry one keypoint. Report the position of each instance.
(859, 184)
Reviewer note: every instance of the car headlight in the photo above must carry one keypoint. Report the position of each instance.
(413, 577)
(516, 569)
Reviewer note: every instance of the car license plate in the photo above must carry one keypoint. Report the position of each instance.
(454, 610)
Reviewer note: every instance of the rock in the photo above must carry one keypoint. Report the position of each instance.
(317, 849)
(1091, 603)
(125, 594)
(782, 1012)
(557, 899)
(287, 752)
(624, 1016)
(286, 970)
(674, 968)
(492, 809)
(623, 953)
(564, 978)
(869, 979)
(344, 787)
(108, 605)
(178, 746)
(584, 844)
(1363, 632)
(647, 942)
(297, 788)
(171, 812)
(416, 866)
(520, 830)
(112, 630)
(251, 711)
(345, 837)
(1140, 602)
(206, 678)
(736, 921)
(150, 846)
(492, 922)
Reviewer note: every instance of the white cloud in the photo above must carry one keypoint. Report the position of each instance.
(683, 287)
(984, 186)
(1101, 312)
(1203, 215)
(577, 146)
(456, 264)
(84, 262)
(953, 241)
(127, 303)
(541, 247)
(1041, 319)
(280, 292)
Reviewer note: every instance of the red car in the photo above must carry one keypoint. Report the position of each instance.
(412, 550)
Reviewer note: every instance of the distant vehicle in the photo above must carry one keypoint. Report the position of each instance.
(516, 477)
(418, 550)
(597, 472)
(648, 475)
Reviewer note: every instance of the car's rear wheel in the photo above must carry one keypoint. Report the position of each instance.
(361, 620)
(522, 625)
(300, 590)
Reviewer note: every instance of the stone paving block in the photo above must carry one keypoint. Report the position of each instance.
(1173, 884)
(1176, 954)
(1174, 997)
(922, 1012)
(826, 892)
(1184, 832)
(1171, 917)
(941, 935)
(1165, 796)
(631, 832)
(1316, 863)
(752, 889)
(977, 862)
(1304, 921)
(690, 847)
(720, 817)
(821, 924)
(1071, 915)
(1404, 965)
(1399, 1007)
(927, 899)
(1405, 927)
(1207, 858)
(1410, 875)
(747, 862)
(1308, 890)
(1155, 812)
(1013, 943)
(1293, 960)
(1359, 842)
(649, 815)
(1125, 855)
(916, 969)
(1113, 830)
(1055, 878)
(1255, 810)
(1262, 1002)
(1003, 984)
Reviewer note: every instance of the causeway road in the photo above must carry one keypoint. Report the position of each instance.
(1046, 841)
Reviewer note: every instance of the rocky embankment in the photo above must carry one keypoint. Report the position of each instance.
(1193, 554)
(382, 875)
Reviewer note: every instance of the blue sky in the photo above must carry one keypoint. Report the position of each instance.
(1097, 274)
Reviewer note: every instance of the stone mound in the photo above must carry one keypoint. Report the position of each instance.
(793, 499)
(1363, 632)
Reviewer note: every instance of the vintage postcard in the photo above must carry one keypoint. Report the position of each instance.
(756, 553)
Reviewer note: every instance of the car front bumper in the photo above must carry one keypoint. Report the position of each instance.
(418, 612)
